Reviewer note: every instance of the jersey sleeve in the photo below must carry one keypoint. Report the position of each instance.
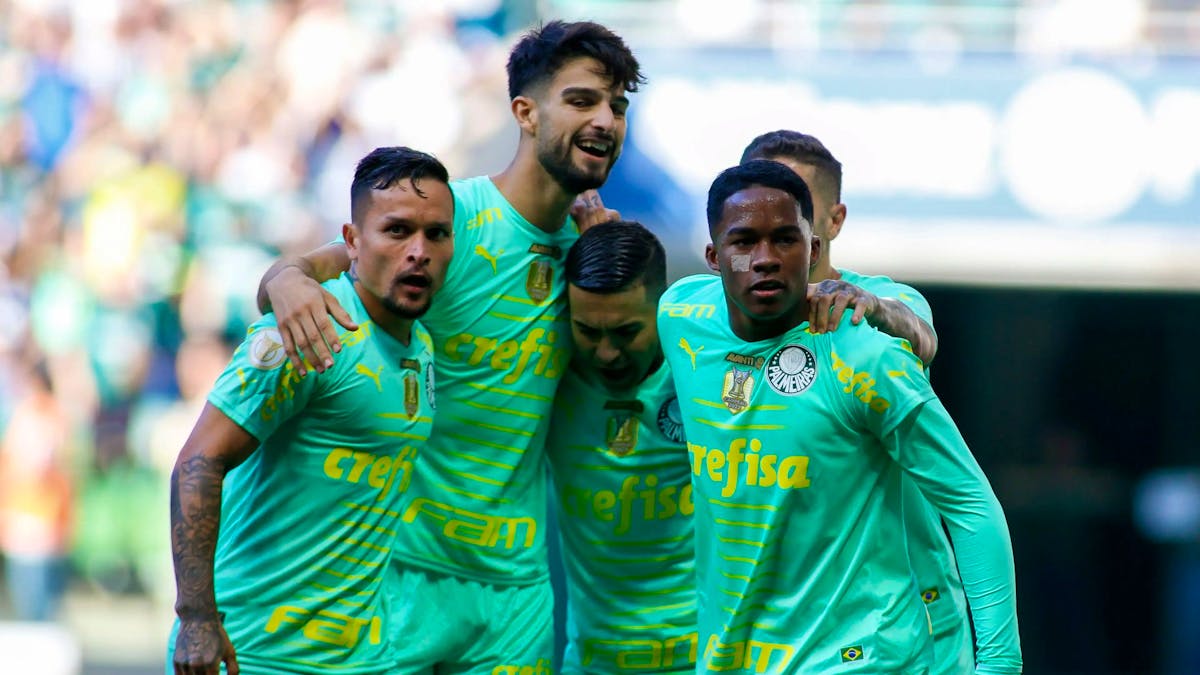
(260, 389)
(931, 450)
(880, 376)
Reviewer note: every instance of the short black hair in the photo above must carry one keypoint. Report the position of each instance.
(801, 148)
(615, 256)
(756, 172)
(383, 167)
(543, 50)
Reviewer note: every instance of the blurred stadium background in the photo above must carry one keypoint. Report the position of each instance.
(1031, 165)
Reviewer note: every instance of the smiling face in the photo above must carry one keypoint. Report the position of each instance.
(763, 249)
(401, 247)
(616, 335)
(580, 125)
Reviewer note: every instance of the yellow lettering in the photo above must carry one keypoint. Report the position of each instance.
(483, 345)
(378, 471)
(602, 504)
(326, 626)
(332, 460)
(478, 529)
(746, 655)
(716, 460)
(503, 355)
(793, 472)
(454, 343)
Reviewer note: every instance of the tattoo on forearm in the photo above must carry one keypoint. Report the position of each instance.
(195, 521)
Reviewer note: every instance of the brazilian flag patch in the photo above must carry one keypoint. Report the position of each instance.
(854, 653)
(930, 594)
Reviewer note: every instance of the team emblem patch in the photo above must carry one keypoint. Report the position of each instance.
(930, 594)
(266, 349)
(412, 396)
(670, 420)
(429, 388)
(540, 280)
(854, 653)
(791, 370)
(621, 433)
(738, 385)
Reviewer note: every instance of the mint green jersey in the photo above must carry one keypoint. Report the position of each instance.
(929, 551)
(623, 500)
(798, 445)
(308, 522)
(502, 343)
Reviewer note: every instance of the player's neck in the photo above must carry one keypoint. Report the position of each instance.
(755, 330)
(396, 326)
(824, 270)
(533, 193)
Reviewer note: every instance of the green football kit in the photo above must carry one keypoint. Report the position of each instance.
(623, 503)
(929, 551)
(798, 444)
(476, 507)
(309, 520)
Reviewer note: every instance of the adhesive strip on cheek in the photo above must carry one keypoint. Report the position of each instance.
(740, 263)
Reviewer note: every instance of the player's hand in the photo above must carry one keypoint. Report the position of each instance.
(202, 646)
(302, 309)
(588, 210)
(828, 300)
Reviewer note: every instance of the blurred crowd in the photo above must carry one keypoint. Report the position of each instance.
(155, 156)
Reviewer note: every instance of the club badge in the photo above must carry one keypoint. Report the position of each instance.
(670, 420)
(429, 387)
(791, 370)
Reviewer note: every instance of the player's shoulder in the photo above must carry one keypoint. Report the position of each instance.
(864, 344)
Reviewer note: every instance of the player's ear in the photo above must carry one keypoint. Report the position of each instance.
(524, 110)
(837, 216)
(814, 252)
(350, 236)
(710, 257)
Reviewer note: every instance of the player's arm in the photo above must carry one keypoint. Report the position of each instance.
(930, 449)
(215, 446)
(830, 298)
(292, 289)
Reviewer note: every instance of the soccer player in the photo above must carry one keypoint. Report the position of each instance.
(798, 441)
(900, 311)
(623, 494)
(471, 592)
(303, 477)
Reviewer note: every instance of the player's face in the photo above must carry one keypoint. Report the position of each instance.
(401, 248)
(615, 334)
(581, 125)
(763, 249)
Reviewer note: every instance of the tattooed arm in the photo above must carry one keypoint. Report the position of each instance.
(215, 446)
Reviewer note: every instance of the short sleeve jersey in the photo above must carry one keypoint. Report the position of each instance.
(801, 560)
(623, 500)
(502, 342)
(309, 520)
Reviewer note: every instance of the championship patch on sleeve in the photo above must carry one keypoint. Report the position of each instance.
(265, 351)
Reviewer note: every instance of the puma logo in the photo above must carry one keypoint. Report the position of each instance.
(483, 253)
(683, 344)
(373, 375)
